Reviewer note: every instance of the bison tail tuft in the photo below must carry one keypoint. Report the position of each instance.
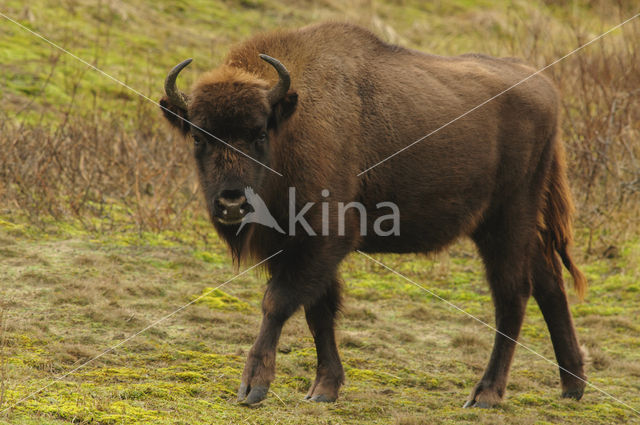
(556, 219)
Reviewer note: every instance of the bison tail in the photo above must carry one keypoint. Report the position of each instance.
(556, 219)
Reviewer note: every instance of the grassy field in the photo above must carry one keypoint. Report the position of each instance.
(409, 358)
(102, 231)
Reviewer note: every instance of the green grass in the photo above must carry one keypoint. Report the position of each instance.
(139, 42)
(69, 295)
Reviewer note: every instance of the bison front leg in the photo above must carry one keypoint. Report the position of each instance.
(321, 320)
(259, 370)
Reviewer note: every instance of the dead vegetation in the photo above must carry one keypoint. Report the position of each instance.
(79, 168)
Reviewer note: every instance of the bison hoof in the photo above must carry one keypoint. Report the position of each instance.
(575, 393)
(256, 395)
(321, 398)
(484, 396)
(477, 404)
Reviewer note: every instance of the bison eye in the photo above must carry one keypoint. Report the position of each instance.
(196, 139)
(262, 138)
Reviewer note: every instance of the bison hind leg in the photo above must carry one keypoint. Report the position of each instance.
(504, 241)
(548, 290)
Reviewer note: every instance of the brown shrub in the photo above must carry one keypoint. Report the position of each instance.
(83, 168)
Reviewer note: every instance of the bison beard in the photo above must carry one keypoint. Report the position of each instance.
(335, 102)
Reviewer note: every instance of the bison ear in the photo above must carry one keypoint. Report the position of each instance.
(282, 110)
(176, 116)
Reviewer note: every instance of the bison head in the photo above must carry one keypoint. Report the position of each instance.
(231, 115)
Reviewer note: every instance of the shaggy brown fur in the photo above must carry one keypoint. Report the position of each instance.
(496, 175)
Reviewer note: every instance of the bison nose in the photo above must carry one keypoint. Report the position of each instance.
(231, 206)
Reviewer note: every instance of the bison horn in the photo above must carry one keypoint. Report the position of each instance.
(278, 91)
(176, 97)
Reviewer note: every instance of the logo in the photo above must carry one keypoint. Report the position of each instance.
(260, 215)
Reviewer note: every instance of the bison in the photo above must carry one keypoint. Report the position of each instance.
(310, 109)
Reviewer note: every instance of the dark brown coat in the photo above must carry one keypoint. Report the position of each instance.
(497, 175)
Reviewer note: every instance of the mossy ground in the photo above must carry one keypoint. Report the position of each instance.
(409, 358)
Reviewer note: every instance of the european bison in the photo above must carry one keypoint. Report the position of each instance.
(336, 101)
